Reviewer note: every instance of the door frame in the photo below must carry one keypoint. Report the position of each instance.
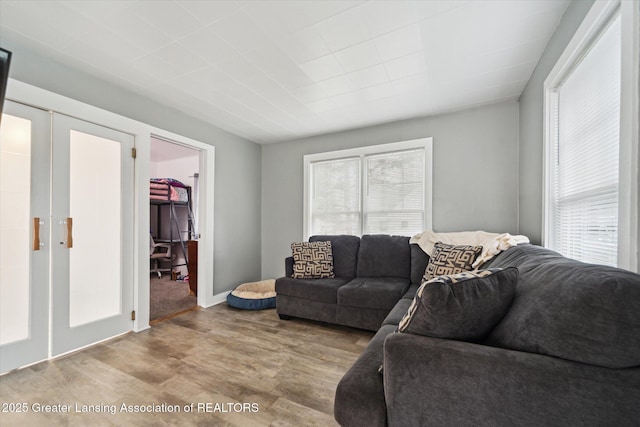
(206, 178)
(31, 95)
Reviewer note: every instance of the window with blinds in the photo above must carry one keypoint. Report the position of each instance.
(584, 154)
(394, 193)
(335, 196)
(372, 190)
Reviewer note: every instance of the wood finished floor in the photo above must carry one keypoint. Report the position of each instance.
(218, 355)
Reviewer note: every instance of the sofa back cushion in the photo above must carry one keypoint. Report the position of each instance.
(382, 255)
(572, 310)
(419, 261)
(345, 253)
(463, 306)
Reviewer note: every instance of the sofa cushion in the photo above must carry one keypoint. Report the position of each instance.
(463, 306)
(572, 310)
(359, 399)
(384, 256)
(411, 292)
(345, 253)
(450, 259)
(419, 261)
(312, 260)
(398, 312)
(373, 292)
(366, 318)
(288, 305)
(323, 290)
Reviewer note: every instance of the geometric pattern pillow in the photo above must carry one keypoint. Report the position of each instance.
(312, 260)
(450, 259)
(464, 306)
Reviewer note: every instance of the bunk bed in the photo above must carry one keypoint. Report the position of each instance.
(172, 202)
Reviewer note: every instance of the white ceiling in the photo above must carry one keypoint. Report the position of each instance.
(278, 70)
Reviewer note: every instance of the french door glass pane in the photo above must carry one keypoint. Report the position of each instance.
(95, 258)
(15, 226)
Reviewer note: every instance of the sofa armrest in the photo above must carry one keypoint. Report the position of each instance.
(430, 381)
(288, 266)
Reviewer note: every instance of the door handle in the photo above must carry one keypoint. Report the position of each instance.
(67, 234)
(36, 234)
(69, 223)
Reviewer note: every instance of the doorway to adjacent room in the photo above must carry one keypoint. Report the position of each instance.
(174, 190)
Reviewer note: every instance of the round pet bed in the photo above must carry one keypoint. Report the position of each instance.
(254, 295)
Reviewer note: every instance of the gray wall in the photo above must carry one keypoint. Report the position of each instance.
(237, 170)
(475, 174)
(531, 130)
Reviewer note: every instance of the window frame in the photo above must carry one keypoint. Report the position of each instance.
(597, 19)
(362, 152)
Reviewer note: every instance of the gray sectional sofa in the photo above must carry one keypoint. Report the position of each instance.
(371, 274)
(567, 352)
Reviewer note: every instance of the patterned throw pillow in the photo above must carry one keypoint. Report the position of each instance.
(464, 306)
(450, 259)
(312, 260)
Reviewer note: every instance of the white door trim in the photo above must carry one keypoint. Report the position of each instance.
(205, 210)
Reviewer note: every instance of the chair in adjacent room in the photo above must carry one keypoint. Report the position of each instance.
(158, 253)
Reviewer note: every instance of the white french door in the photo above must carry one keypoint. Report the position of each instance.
(82, 207)
(24, 235)
(92, 233)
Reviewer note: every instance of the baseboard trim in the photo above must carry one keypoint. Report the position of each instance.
(217, 299)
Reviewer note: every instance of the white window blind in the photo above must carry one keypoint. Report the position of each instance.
(336, 196)
(394, 198)
(583, 214)
(374, 190)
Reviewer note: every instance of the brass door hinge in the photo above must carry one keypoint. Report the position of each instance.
(134, 152)
(133, 315)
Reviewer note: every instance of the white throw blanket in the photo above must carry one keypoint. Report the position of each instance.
(492, 243)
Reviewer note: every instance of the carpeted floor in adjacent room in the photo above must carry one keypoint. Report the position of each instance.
(169, 297)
